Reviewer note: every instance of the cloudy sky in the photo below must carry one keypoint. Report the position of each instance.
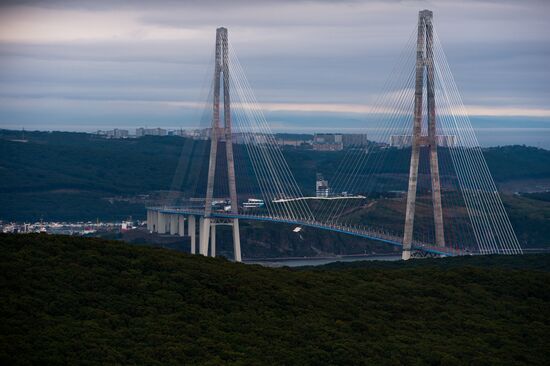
(84, 65)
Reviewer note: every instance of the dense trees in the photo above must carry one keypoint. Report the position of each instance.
(74, 176)
(89, 301)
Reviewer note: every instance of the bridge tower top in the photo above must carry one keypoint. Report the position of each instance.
(425, 14)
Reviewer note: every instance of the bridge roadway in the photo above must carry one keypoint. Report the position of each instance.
(362, 233)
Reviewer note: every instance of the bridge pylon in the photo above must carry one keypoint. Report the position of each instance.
(207, 230)
(424, 63)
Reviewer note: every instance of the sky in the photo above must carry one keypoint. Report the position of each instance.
(317, 64)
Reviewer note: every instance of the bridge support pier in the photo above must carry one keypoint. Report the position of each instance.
(236, 240)
(192, 233)
(204, 233)
(181, 225)
(207, 236)
(161, 223)
(213, 240)
(173, 224)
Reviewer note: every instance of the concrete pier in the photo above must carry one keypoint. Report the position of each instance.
(213, 240)
(181, 225)
(161, 222)
(204, 235)
(173, 224)
(191, 230)
(236, 241)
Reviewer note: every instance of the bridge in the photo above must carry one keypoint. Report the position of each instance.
(171, 218)
(419, 181)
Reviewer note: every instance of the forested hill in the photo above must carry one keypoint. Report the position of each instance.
(68, 300)
(73, 176)
(65, 160)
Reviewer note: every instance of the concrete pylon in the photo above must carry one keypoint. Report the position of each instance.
(213, 240)
(191, 231)
(181, 225)
(149, 221)
(218, 134)
(161, 223)
(204, 237)
(236, 241)
(154, 221)
(173, 224)
(424, 60)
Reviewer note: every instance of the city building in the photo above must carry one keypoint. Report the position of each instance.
(140, 132)
(402, 141)
(293, 143)
(255, 138)
(339, 141)
(327, 142)
(322, 188)
(354, 140)
(294, 140)
(114, 134)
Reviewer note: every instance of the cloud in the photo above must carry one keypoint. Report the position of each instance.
(299, 56)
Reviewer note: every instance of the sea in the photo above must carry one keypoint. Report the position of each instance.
(315, 261)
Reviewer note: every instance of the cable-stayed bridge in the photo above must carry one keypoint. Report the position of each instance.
(419, 182)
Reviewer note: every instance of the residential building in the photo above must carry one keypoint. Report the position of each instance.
(140, 132)
(322, 188)
(402, 141)
(327, 142)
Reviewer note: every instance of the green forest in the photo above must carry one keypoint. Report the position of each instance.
(68, 300)
(69, 161)
(67, 176)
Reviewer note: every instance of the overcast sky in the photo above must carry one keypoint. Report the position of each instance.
(84, 65)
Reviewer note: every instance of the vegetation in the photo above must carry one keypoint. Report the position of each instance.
(66, 205)
(70, 300)
(77, 176)
(530, 218)
(515, 162)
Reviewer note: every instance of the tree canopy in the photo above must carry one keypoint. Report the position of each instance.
(69, 300)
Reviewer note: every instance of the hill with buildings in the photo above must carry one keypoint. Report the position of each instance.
(69, 300)
(79, 176)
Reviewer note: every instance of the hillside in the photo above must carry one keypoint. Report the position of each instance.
(77, 177)
(65, 161)
(70, 300)
(54, 174)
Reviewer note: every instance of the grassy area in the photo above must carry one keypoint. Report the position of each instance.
(70, 300)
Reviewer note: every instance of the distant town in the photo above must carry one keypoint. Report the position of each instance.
(317, 141)
(69, 228)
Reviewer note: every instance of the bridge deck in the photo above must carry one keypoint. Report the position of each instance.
(359, 232)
